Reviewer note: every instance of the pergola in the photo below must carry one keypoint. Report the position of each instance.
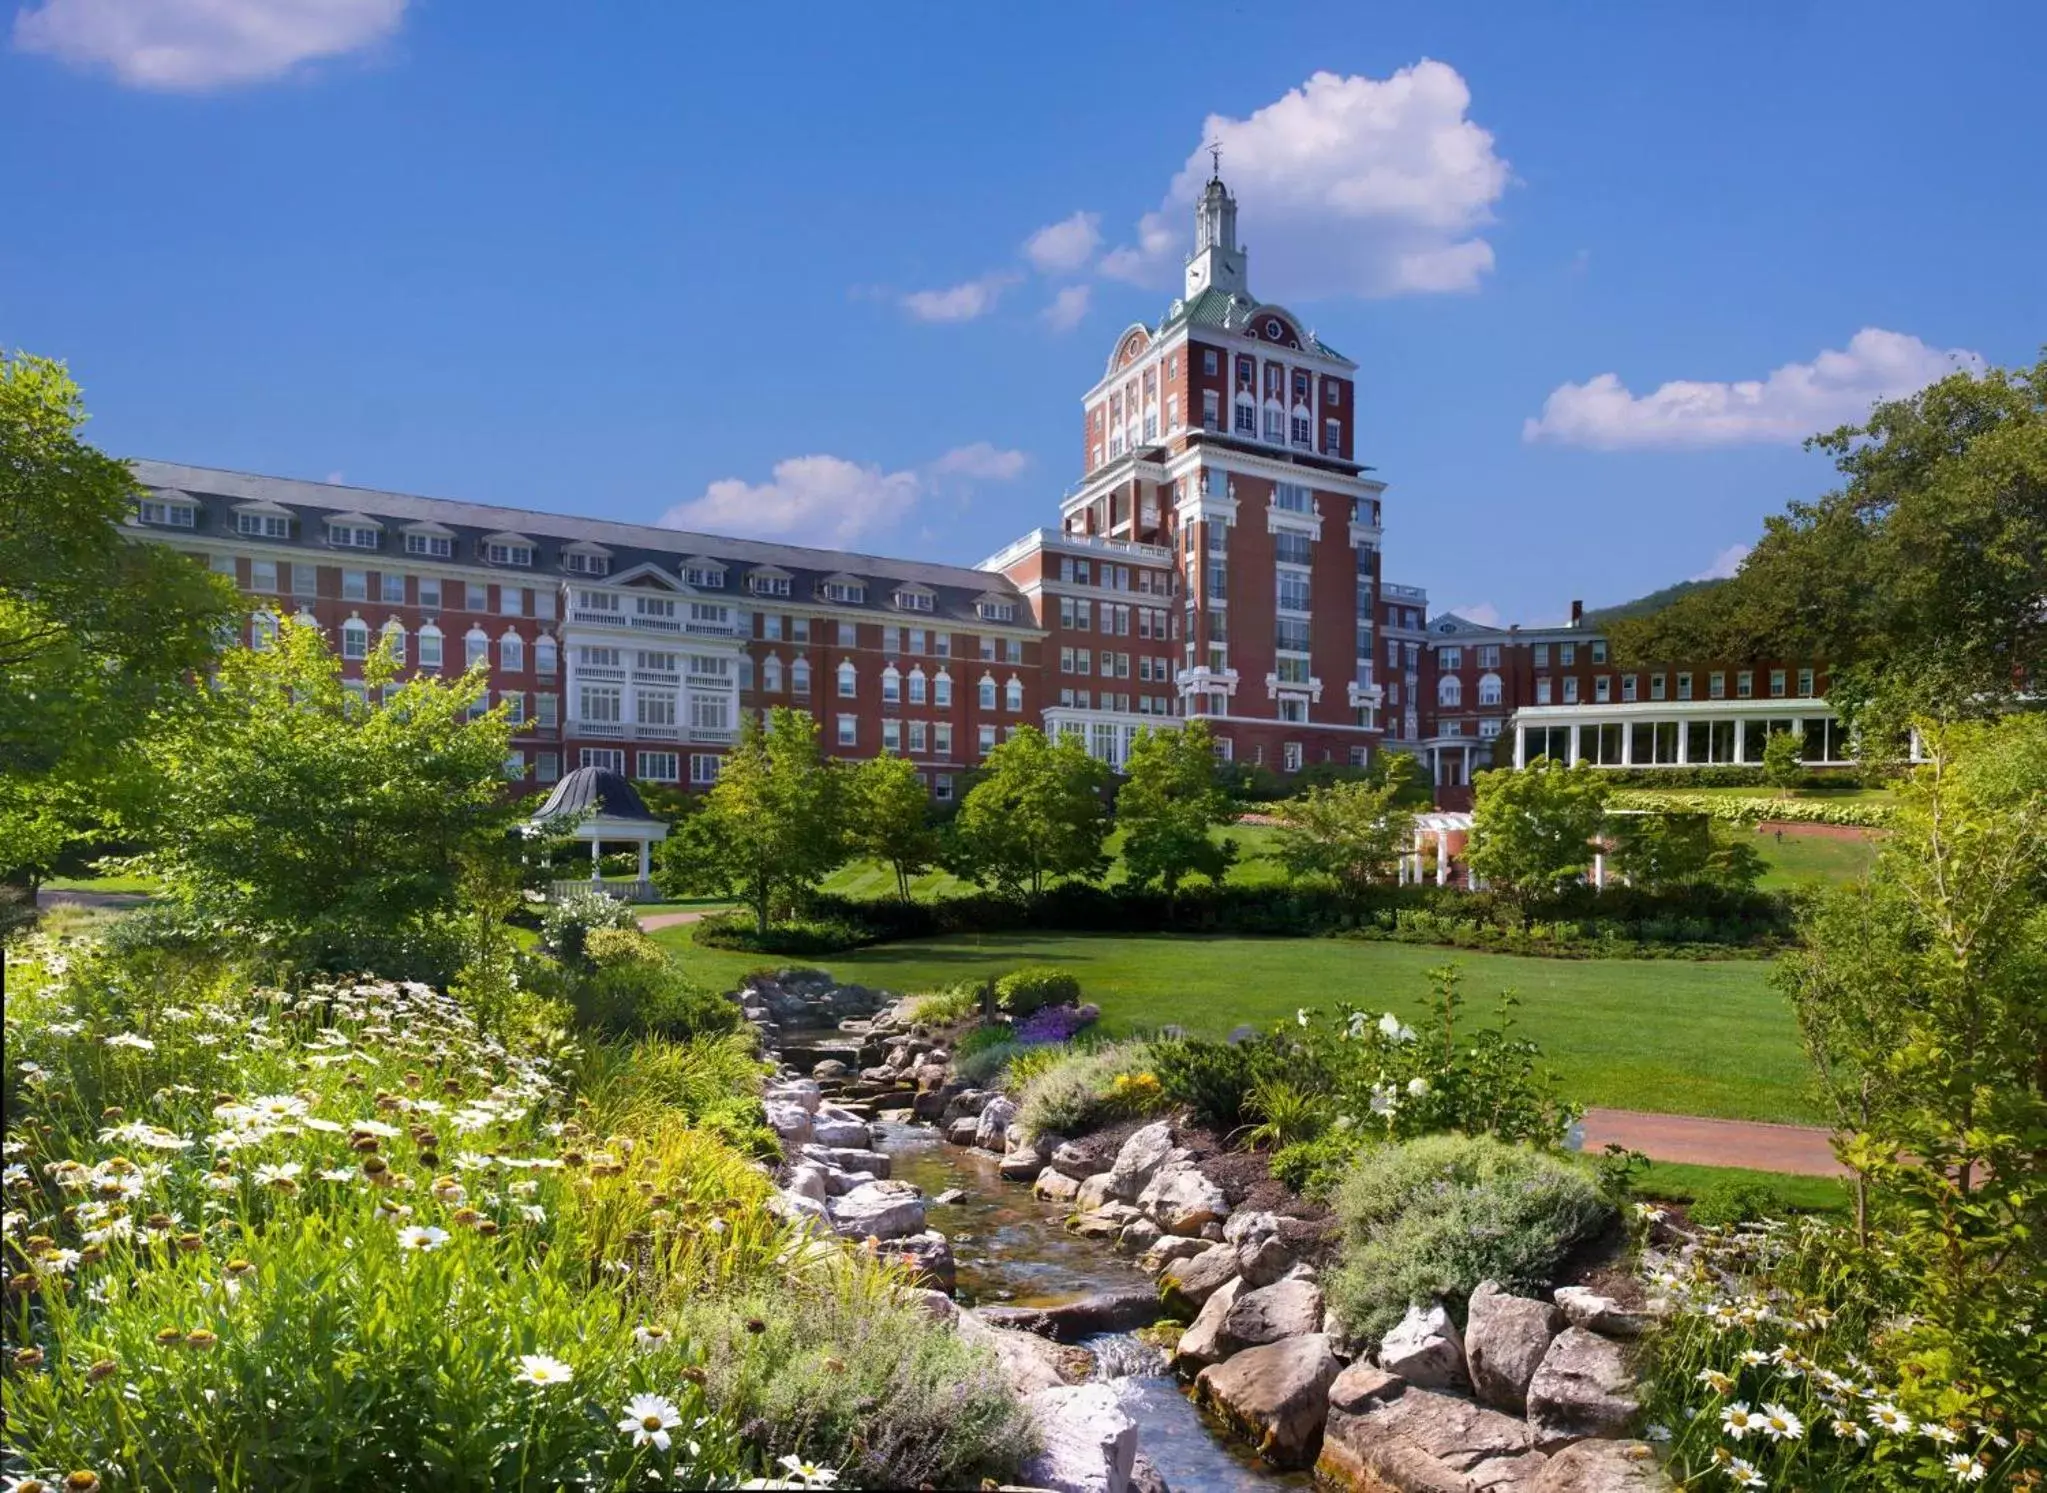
(598, 805)
(1449, 831)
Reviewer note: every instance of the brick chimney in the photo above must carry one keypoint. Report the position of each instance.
(1577, 613)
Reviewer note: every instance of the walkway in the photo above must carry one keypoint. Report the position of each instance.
(652, 920)
(1803, 1149)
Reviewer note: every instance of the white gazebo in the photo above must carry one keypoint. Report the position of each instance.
(598, 805)
(1449, 832)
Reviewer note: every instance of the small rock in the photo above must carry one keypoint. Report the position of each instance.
(1582, 1388)
(789, 1121)
(807, 1179)
(1145, 1476)
(830, 1068)
(950, 1196)
(961, 1131)
(1505, 1338)
(847, 1159)
(1170, 1247)
(1277, 1394)
(928, 1106)
(1188, 1283)
(1246, 1226)
(1263, 1261)
(929, 1256)
(1292, 1308)
(938, 1306)
(1022, 1164)
(1055, 1186)
(1073, 1160)
(1138, 1235)
(1601, 1314)
(1094, 1191)
(995, 1120)
(966, 1104)
(1182, 1201)
(1212, 1232)
(1202, 1343)
(1424, 1349)
(840, 1133)
(1106, 1222)
(1361, 1386)
(1602, 1467)
(1087, 1442)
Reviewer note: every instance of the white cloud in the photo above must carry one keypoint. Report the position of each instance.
(1724, 564)
(1063, 247)
(964, 302)
(830, 501)
(1794, 402)
(192, 45)
(1068, 308)
(1347, 186)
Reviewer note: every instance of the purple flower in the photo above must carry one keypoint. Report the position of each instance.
(1054, 1023)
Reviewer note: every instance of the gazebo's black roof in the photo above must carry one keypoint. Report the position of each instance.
(594, 790)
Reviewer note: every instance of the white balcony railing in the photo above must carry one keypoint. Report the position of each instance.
(606, 672)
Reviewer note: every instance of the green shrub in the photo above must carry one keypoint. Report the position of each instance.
(632, 985)
(872, 1387)
(1429, 1219)
(1735, 1200)
(983, 1065)
(1023, 991)
(1313, 1168)
(1070, 1091)
(570, 918)
(1214, 1080)
(949, 1007)
(1287, 1113)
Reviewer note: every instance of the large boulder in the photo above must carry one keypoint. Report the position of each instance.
(1602, 1314)
(848, 1159)
(1167, 1249)
(1189, 1283)
(1073, 1160)
(1106, 1222)
(1181, 1200)
(1023, 1162)
(1583, 1387)
(1087, 1442)
(1138, 1235)
(884, 1210)
(1029, 1362)
(1105, 1311)
(966, 1104)
(1386, 1434)
(1603, 1467)
(1140, 1159)
(1424, 1349)
(790, 1122)
(1093, 1192)
(961, 1132)
(995, 1120)
(1264, 1261)
(1055, 1186)
(928, 1255)
(1202, 1344)
(1505, 1338)
(802, 1092)
(808, 1179)
(1289, 1308)
(832, 1132)
(1277, 1395)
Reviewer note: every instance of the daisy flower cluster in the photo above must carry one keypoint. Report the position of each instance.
(1762, 1380)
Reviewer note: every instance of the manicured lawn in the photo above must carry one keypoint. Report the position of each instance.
(145, 884)
(872, 879)
(1794, 859)
(1679, 1182)
(1661, 1035)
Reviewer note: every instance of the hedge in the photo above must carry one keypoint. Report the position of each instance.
(1860, 812)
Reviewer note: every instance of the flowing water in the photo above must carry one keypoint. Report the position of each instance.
(1011, 1249)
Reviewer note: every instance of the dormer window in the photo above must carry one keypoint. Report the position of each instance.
(433, 546)
(705, 575)
(585, 562)
(263, 523)
(991, 610)
(845, 589)
(508, 552)
(915, 599)
(352, 534)
(768, 583)
(168, 513)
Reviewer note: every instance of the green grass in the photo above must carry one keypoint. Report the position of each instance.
(1795, 859)
(1681, 1182)
(1663, 1035)
(143, 884)
(872, 879)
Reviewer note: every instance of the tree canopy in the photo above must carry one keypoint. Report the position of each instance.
(890, 818)
(1532, 829)
(1354, 831)
(1036, 812)
(1921, 581)
(286, 805)
(96, 627)
(1170, 806)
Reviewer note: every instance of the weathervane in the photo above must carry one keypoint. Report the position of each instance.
(1215, 156)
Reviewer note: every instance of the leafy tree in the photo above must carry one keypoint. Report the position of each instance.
(95, 627)
(1666, 852)
(1353, 832)
(1036, 812)
(772, 826)
(1922, 580)
(1921, 996)
(891, 818)
(1169, 806)
(325, 821)
(1532, 829)
(1783, 759)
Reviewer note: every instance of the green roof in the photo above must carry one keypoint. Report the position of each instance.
(1231, 313)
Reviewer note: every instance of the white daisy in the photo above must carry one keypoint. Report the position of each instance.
(1781, 1424)
(1965, 1467)
(538, 1368)
(649, 1419)
(132, 1040)
(1890, 1418)
(1743, 1473)
(1739, 1419)
(414, 1237)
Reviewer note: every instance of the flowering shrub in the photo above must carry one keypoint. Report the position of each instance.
(1863, 812)
(344, 1238)
(1022, 991)
(1055, 1023)
(1070, 1091)
(1785, 1364)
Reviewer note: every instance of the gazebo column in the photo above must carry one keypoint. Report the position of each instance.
(1442, 857)
(596, 860)
(646, 860)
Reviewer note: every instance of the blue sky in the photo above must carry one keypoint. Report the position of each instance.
(768, 268)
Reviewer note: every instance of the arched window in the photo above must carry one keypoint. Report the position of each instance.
(544, 659)
(1449, 691)
(511, 651)
(1013, 693)
(799, 677)
(987, 691)
(849, 680)
(891, 686)
(941, 689)
(771, 674)
(355, 639)
(475, 648)
(916, 686)
(394, 639)
(429, 647)
(1489, 689)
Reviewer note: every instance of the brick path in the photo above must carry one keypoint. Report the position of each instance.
(1802, 1149)
(654, 920)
